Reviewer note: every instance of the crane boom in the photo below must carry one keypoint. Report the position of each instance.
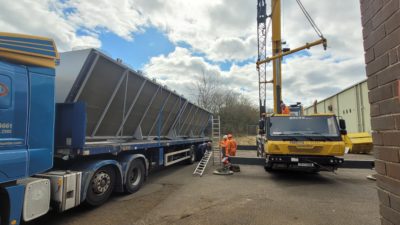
(277, 54)
(276, 50)
(322, 41)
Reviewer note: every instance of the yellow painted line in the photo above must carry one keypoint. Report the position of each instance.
(40, 49)
(25, 36)
(24, 42)
(28, 53)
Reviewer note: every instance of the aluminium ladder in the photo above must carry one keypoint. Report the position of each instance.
(203, 163)
(216, 137)
(215, 149)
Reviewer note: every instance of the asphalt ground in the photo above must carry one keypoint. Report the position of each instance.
(174, 196)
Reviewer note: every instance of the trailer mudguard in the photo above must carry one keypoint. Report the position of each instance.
(89, 167)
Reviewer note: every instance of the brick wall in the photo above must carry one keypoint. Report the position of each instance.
(381, 34)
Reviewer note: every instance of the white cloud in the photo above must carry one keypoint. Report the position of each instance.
(180, 70)
(225, 30)
(232, 48)
(211, 27)
(222, 30)
(42, 17)
(121, 17)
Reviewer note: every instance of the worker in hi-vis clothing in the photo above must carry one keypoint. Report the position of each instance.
(231, 146)
(225, 169)
(284, 108)
(222, 145)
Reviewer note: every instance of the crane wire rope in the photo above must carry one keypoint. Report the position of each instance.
(310, 20)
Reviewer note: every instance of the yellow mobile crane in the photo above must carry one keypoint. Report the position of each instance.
(293, 141)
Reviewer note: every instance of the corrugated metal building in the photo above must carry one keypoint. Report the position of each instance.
(351, 104)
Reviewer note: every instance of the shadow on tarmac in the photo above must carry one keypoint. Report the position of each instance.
(297, 177)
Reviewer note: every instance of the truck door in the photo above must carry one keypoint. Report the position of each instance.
(13, 121)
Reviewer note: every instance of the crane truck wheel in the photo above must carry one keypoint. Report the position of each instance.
(135, 176)
(268, 167)
(101, 186)
(192, 153)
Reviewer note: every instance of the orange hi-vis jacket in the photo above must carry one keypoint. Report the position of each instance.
(222, 144)
(286, 110)
(231, 147)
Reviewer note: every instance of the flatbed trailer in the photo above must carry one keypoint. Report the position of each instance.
(76, 132)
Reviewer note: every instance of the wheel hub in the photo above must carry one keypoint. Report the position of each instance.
(101, 183)
(134, 177)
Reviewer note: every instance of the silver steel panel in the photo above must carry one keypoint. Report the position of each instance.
(71, 64)
(169, 115)
(120, 102)
(182, 119)
(199, 122)
(99, 87)
(158, 120)
(135, 116)
(196, 123)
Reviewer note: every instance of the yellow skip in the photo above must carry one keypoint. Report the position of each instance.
(358, 143)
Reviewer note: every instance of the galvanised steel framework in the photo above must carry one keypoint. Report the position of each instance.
(262, 52)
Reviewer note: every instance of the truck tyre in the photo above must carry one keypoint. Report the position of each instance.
(135, 176)
(101, 186)
(268, 168)
(192, 158)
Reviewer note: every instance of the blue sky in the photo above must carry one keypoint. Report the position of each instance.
(152, 42)
(140, 50)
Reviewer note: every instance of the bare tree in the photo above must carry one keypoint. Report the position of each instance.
(235, 110)
(207, 88)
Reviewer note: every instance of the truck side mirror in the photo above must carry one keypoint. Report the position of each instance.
(342, 124)
(342, 127)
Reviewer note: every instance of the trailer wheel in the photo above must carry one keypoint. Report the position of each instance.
(135, 176)
(101, 186)
(192, 158)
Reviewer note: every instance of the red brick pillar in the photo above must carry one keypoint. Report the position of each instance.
(381, 34)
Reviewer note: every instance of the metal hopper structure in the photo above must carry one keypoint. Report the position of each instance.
(122, 103)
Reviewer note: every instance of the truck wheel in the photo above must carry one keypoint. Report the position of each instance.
(192, 158)
(101, 186)
(134, 176)
(268, 168)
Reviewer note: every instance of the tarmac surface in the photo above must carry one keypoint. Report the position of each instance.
(252, 196)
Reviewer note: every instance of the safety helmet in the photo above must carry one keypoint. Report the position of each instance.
(225, 137)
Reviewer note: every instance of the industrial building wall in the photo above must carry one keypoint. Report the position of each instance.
(351, 104)
(381, 33)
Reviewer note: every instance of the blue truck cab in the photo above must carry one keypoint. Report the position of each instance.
(26, 113)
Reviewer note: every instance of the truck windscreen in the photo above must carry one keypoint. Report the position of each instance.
(312, 128)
